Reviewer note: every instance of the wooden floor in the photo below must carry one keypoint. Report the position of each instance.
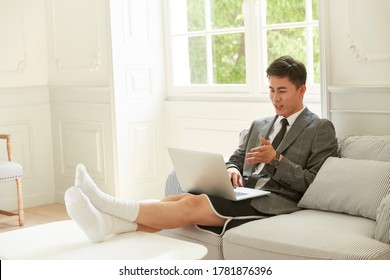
(38, 215)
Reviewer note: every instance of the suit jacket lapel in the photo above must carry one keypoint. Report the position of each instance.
(300, 123)
(268, 127)
(264, 132)
(268, 124)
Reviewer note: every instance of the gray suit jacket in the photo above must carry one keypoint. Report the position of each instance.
(305, 147)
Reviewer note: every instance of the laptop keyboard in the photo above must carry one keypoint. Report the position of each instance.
(240, 193)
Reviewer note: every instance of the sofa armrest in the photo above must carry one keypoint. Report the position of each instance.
(382, 229)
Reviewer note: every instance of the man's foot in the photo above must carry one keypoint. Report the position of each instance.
(124, 209)
(96, 225)
(87, 217)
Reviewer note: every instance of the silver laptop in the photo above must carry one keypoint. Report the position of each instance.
(204, 172)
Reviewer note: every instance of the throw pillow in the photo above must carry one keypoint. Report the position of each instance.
(351, 186)
(382, 229)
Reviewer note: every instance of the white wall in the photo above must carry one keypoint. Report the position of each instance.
(358, 58)
(25, 100)
(139, 86)
(65, 99)
(81, 94)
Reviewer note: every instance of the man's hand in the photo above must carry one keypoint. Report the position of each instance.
(262, 154)
(235, 177)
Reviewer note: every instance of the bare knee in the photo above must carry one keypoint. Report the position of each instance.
(175, 197)
(192, 201)
(197, 209)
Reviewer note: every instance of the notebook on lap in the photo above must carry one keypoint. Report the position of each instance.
(204, 172)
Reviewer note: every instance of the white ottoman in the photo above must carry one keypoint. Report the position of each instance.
(64, 240)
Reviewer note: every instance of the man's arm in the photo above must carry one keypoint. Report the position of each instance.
(297, 177)
(238, 157)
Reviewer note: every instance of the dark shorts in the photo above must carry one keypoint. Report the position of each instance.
(235, 212)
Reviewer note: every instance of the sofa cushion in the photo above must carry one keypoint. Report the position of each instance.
(306, 234)
(382, 229)
(351, 186)
(365, 147)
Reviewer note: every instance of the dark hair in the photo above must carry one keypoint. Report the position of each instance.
(286, 66)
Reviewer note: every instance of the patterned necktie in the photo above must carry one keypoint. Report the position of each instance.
(280, 135)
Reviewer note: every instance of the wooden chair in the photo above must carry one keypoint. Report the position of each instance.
(9, 171)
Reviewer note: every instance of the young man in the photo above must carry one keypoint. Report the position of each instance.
(286, 169)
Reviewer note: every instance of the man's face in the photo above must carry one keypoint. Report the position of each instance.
(285, 96)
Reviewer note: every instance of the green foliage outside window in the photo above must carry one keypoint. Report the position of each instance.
(228, 50)
(292, 41)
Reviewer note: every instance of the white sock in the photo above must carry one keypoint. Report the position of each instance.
(117, 225)
(96, 225)
(81, 210)
(124, 209)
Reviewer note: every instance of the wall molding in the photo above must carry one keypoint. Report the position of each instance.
(365, 99)
(135, 23)
(360, 110)
(82, 141)
(23, 96)
(61, 52)
(17, 40)
(370, 112)
(360, 51)
(138, 82)
(142, 151)
(358, 89)
(60, 95)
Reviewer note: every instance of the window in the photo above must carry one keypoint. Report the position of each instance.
(291, 27)
(222, 47)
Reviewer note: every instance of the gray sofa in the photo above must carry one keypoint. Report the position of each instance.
(345, 213)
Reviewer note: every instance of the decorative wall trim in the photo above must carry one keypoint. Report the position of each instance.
(82, 142)
(71, 7)
(142, 152)
(365, 99)
(95, 65)
(358, 49)
(358, 89)
(27, 96)
(379, 112)
(17, 40)
(135, 20)
(138, 82)
(360, 110)
(81, 95)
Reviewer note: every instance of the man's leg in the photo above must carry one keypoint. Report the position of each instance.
(179, 211)
(103, 202)
(172, 212)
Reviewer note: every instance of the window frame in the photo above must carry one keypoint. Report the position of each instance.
(255, 28)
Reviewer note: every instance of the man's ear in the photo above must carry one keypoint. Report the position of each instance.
(302, 90)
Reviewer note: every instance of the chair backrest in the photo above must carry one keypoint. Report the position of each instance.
(7, 138)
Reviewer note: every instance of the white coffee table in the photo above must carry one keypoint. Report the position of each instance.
(64, 240)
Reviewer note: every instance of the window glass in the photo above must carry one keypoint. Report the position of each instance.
(198, 62)
(315, 12)
(282, 11)
(226, 14)
(316, 54)
(279, 43)
(216, 43)
(196, 15)
(229, 59)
